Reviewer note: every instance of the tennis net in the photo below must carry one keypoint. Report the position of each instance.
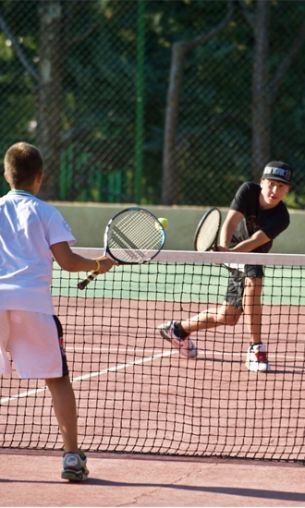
(136, 394)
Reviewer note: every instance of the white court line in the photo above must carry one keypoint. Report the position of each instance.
(115, 368)
(118, 350)
(203, 352)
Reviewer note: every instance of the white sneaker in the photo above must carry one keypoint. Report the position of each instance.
(186, 347)
(257, 358)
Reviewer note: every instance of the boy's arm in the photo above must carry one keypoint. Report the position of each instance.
(230, 223)
(72, 262)
(256, 240)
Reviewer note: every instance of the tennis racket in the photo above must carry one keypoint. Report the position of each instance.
(206, 236)
(132, 236)
(207, 231)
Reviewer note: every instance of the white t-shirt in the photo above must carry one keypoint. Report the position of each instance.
(28, 227)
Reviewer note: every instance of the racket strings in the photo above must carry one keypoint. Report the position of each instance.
(208, 231)
(136, 236)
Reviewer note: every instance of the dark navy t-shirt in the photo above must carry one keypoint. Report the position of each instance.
(271, 221)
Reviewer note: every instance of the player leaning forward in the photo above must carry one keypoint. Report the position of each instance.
(257, 215)
(32, 233)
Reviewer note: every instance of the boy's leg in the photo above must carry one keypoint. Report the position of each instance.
(74, 461)
(257, 360)
(227, 314)
(177, 332)
(253, 307)
(65, 410)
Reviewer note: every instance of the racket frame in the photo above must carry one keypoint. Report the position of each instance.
(108, 252)
(203, 220)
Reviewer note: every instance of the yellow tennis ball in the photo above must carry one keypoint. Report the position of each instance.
(163, 221)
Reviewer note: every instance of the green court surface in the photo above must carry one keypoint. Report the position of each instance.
(179, 282)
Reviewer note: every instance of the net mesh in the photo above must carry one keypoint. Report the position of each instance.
(136, 394)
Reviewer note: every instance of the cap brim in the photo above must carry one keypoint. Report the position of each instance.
(278, 178)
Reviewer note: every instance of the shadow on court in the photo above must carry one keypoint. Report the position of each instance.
(229, 491)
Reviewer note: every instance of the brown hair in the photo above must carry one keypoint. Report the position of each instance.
(22, 162)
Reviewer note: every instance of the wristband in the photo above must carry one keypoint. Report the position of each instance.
(98, 266)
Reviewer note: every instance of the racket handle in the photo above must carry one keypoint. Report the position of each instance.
(84, 283)
(92, 275)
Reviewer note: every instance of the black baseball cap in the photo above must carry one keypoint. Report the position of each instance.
(278, 170)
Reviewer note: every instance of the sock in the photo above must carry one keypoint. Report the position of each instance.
(179, 331)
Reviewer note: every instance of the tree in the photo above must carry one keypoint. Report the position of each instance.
(265, 89)
(180, 51)
(49, 95)
(46, 88)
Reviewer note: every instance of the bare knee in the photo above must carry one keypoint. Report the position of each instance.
(228, 315)
(231, 320)
(57, 382)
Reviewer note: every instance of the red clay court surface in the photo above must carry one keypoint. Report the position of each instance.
(136, 394)
(34, 480)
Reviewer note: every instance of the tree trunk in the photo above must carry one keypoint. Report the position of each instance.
(49, 95)
(171, 119)
(261, 115)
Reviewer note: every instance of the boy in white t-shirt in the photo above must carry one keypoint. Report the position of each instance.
(32, 233)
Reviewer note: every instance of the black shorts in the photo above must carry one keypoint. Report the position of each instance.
(236, 283)
(60, 333)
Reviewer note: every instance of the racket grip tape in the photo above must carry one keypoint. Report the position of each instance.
(84, 283)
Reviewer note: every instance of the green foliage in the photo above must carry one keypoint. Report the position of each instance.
(98, 99)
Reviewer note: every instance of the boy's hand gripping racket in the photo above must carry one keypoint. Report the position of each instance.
(132, 236)
(207, 231)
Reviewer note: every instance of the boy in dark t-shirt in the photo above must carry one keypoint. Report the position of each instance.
(272, 221)
(257, 215)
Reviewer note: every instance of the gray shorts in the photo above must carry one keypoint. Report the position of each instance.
(236, 283)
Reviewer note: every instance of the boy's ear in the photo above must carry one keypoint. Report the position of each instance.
(6, 177)
(39, 177)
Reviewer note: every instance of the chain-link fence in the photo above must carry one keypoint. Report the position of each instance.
(154, 101)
